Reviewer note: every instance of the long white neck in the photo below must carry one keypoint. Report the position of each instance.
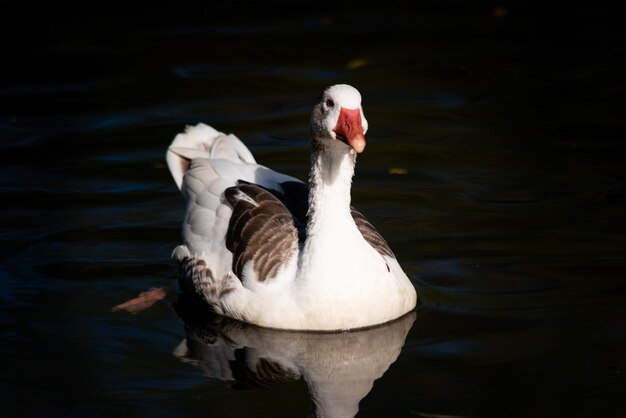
(329, 251)
(330, 180)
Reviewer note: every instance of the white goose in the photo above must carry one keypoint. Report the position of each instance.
(263, 248)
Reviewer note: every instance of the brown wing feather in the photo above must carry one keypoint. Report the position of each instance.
(370, 234)
(261, 230)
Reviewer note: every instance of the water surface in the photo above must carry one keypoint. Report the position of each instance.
(493, 168)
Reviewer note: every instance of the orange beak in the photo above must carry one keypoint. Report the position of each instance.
(349, 129)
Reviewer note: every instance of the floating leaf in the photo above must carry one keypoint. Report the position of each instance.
(143, 301)
(357, 63)
(398, 170)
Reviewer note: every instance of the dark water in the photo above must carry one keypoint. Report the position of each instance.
(494, 168)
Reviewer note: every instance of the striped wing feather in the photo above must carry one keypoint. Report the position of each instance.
(370, 234)
(261, 231)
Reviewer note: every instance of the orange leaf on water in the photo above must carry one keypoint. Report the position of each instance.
(143, 301)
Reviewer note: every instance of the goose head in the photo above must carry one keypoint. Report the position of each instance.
(338, 117)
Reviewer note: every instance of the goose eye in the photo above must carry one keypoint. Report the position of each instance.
(330, 103)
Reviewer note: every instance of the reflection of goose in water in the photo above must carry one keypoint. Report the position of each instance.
(339, 368)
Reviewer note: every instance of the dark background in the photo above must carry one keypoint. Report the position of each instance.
(506, 120)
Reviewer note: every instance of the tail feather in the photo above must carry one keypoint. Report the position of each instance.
(203, 141)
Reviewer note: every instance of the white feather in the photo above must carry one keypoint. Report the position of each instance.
(337, 280)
